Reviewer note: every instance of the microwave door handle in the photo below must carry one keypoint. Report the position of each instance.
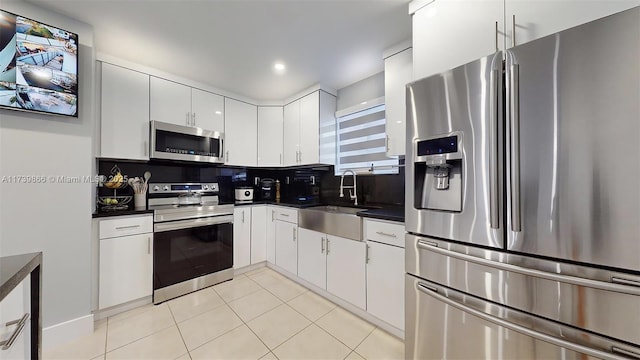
(221, 151)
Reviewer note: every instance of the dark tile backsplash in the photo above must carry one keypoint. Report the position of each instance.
(303, 185)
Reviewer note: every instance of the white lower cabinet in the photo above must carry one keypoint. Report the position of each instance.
(126, 262)
(241, 236)
(271, 234)
(385, 270)
(385, 283)
(13, 308)
(258, 233)
(287, 246)
(312, 260)
(346, 269)
(333, 263)
(126, 269)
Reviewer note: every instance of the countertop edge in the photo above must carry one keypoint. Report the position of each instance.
(16, 278)
(381, 216)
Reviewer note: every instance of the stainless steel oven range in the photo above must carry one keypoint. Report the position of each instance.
(193, 238)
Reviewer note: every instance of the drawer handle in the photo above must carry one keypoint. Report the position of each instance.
(21, 323)
(386, 234)
(287, 215)
(127, 227)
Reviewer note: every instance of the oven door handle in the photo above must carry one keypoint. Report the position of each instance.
(191, 223)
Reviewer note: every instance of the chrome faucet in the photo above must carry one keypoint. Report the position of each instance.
(352, 195)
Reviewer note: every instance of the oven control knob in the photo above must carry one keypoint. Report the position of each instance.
(156, 188)
(206, 187)
(165, 188)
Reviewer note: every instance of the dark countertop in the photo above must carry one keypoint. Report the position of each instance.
(390, 213)
(14, 269)
(271, 202)
(121, 213)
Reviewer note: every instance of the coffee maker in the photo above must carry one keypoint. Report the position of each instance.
(268, 189)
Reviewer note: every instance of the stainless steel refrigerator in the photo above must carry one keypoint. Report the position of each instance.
(523, 201)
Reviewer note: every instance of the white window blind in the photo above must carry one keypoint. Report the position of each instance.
(361, 143)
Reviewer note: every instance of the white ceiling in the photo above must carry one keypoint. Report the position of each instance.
(232, 45)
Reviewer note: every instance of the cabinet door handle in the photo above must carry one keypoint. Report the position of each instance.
(327, 247)
(386, 234)
(21, 323)
(386, 142)
(513, 31)
(273, 215)
(321, 245)
(145, 148)
(127, 227)
(227, 156)
(366, 254)
(149, 245)
(187, 119)
(194, 119)
(243, 216)
(281, 159)
(497, 37)
(300, 160)
(294, 234)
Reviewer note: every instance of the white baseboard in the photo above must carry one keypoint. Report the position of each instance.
(117, 309)
(64, 332)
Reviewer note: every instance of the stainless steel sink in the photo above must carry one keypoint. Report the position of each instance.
(333, 220)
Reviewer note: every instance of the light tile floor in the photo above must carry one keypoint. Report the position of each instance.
(258, 315)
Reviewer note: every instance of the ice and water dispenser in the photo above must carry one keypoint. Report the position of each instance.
(438, 173)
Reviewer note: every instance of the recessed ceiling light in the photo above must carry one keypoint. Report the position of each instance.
(363, 103)
(218, 112)
(399, 122)
(279, 67)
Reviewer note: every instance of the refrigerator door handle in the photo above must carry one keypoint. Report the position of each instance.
(516, 224)
(494, 217)
(573, 280)
(426, 289)
(631, 354)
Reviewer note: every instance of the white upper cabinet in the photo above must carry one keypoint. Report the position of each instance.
(270, 127)
(124, 113)
(241, 133)
(302, 144)
(309, 141)
(207, 110)
(450, 33)
(291, 133)
(180, 104)
(398, 71)
(535, 19)
(170, 102)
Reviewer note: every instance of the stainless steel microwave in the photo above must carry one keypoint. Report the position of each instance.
(177, 142)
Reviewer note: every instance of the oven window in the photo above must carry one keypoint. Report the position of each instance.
(184, 254)
(171, 142)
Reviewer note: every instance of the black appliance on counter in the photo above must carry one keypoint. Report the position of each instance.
(193, 238)
(267, 189)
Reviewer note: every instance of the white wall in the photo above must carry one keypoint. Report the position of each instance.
(52, 218)
(366, 89)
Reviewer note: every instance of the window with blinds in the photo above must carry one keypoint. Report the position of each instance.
(361, 143)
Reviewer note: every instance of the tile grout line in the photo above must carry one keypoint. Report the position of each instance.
(178, 328)
(106, 338)
(136, 340)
